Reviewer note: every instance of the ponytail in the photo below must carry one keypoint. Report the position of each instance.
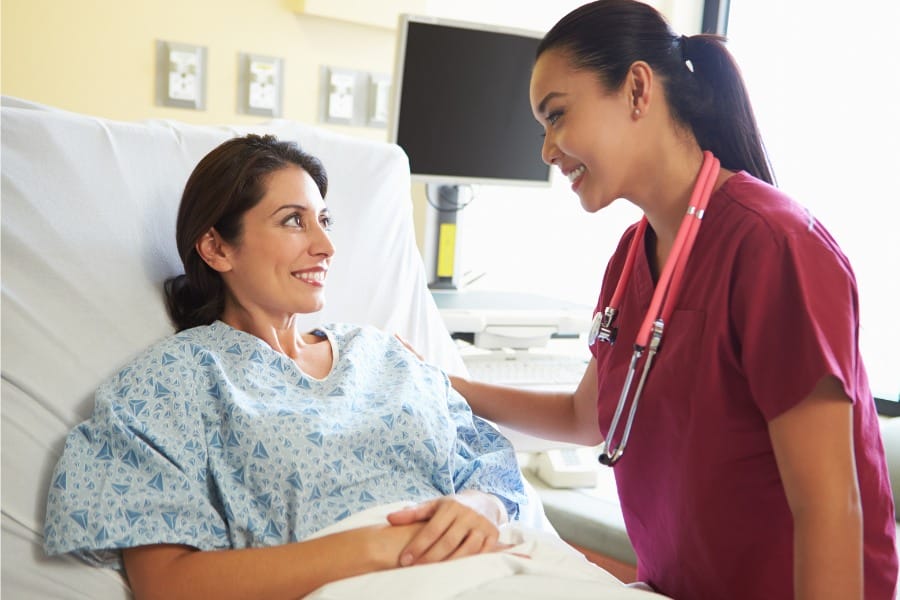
(710, 96)
(189, 305)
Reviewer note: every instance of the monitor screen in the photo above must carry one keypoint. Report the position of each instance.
(461, 110)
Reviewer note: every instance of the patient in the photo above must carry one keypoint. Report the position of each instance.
(213, 456)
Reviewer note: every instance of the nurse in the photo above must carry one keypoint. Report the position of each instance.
(754, 466)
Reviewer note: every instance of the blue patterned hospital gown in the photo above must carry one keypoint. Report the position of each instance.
(211, 438)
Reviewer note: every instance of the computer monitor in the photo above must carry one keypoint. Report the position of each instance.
(461, 110)
(462, 115)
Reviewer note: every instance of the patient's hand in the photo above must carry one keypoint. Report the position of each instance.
(457, 526)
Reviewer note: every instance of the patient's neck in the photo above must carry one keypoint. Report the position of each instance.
(306, 349)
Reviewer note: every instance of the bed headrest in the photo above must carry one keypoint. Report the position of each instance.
(88, 237)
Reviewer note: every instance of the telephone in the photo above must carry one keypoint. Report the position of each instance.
(567, 467)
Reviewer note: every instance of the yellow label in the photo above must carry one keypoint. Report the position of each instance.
(446, 249)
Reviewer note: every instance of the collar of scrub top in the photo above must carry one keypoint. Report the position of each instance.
(650, 333)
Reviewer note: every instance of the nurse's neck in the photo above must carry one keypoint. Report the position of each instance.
(665, 200)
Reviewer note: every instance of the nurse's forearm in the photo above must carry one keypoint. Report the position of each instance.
(828, 553)
(549, 415)
(813, 445)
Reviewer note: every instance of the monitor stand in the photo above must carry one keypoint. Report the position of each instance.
(442, 247)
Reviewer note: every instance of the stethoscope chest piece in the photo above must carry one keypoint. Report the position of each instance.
(602, 329)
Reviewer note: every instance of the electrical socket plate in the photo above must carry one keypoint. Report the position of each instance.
(379, 104)
(260, 85)
(180, 75)
(343, 96)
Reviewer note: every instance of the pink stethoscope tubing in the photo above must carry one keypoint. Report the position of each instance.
(662, 304)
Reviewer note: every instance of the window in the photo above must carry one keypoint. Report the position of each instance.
(823, 80)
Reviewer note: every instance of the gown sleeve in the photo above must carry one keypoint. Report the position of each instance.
(483, 458)
(135, 472)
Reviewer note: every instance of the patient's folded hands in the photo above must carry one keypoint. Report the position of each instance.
(456, 526)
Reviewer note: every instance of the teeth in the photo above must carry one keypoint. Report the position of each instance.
(317, 276)
(576, 173)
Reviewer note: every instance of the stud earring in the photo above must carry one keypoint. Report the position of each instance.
(637, 112)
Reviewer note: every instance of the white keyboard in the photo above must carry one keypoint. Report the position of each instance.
(527, 369)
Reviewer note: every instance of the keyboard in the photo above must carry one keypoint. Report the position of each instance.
(527, 369)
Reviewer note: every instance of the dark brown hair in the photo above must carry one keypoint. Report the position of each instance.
(702, 82)
(226, 183)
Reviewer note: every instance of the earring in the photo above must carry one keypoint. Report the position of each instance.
(637, 113)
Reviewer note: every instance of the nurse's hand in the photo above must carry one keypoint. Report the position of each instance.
(461, 525)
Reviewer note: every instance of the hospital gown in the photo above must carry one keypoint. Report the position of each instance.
(214, 440)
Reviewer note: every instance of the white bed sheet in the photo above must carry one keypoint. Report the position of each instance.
(537, 565)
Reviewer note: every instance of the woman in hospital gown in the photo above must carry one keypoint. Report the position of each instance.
(213, 454)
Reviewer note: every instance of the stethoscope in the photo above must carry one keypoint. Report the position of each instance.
(650, 334)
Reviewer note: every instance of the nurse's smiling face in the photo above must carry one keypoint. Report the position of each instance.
(585, 128)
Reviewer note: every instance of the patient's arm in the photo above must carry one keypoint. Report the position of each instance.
(570, 417)
(285, 572)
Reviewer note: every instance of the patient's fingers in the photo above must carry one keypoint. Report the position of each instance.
(435, 529)
(449, 541)
(413, 514)
(453, 530)
(475, 543)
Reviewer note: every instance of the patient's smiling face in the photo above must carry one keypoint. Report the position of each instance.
(278, 266)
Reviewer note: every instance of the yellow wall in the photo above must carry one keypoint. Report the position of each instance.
(98, 56)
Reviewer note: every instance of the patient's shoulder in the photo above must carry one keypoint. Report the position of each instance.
(176, 352)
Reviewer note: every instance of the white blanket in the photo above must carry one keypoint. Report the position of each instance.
(552, 569)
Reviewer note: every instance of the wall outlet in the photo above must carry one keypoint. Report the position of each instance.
(351, 97)
(343, 97)
(180, 75)
(260, 85)
(379, 100)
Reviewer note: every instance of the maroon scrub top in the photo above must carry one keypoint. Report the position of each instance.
(767, 307)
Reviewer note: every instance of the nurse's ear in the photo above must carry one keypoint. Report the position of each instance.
(639, 89)
(214, 251)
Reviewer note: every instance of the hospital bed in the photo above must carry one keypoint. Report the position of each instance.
(88, 219)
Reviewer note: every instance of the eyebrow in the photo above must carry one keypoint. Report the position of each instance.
(543, 104)
(299, 208)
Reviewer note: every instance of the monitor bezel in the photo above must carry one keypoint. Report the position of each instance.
(397, 86)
